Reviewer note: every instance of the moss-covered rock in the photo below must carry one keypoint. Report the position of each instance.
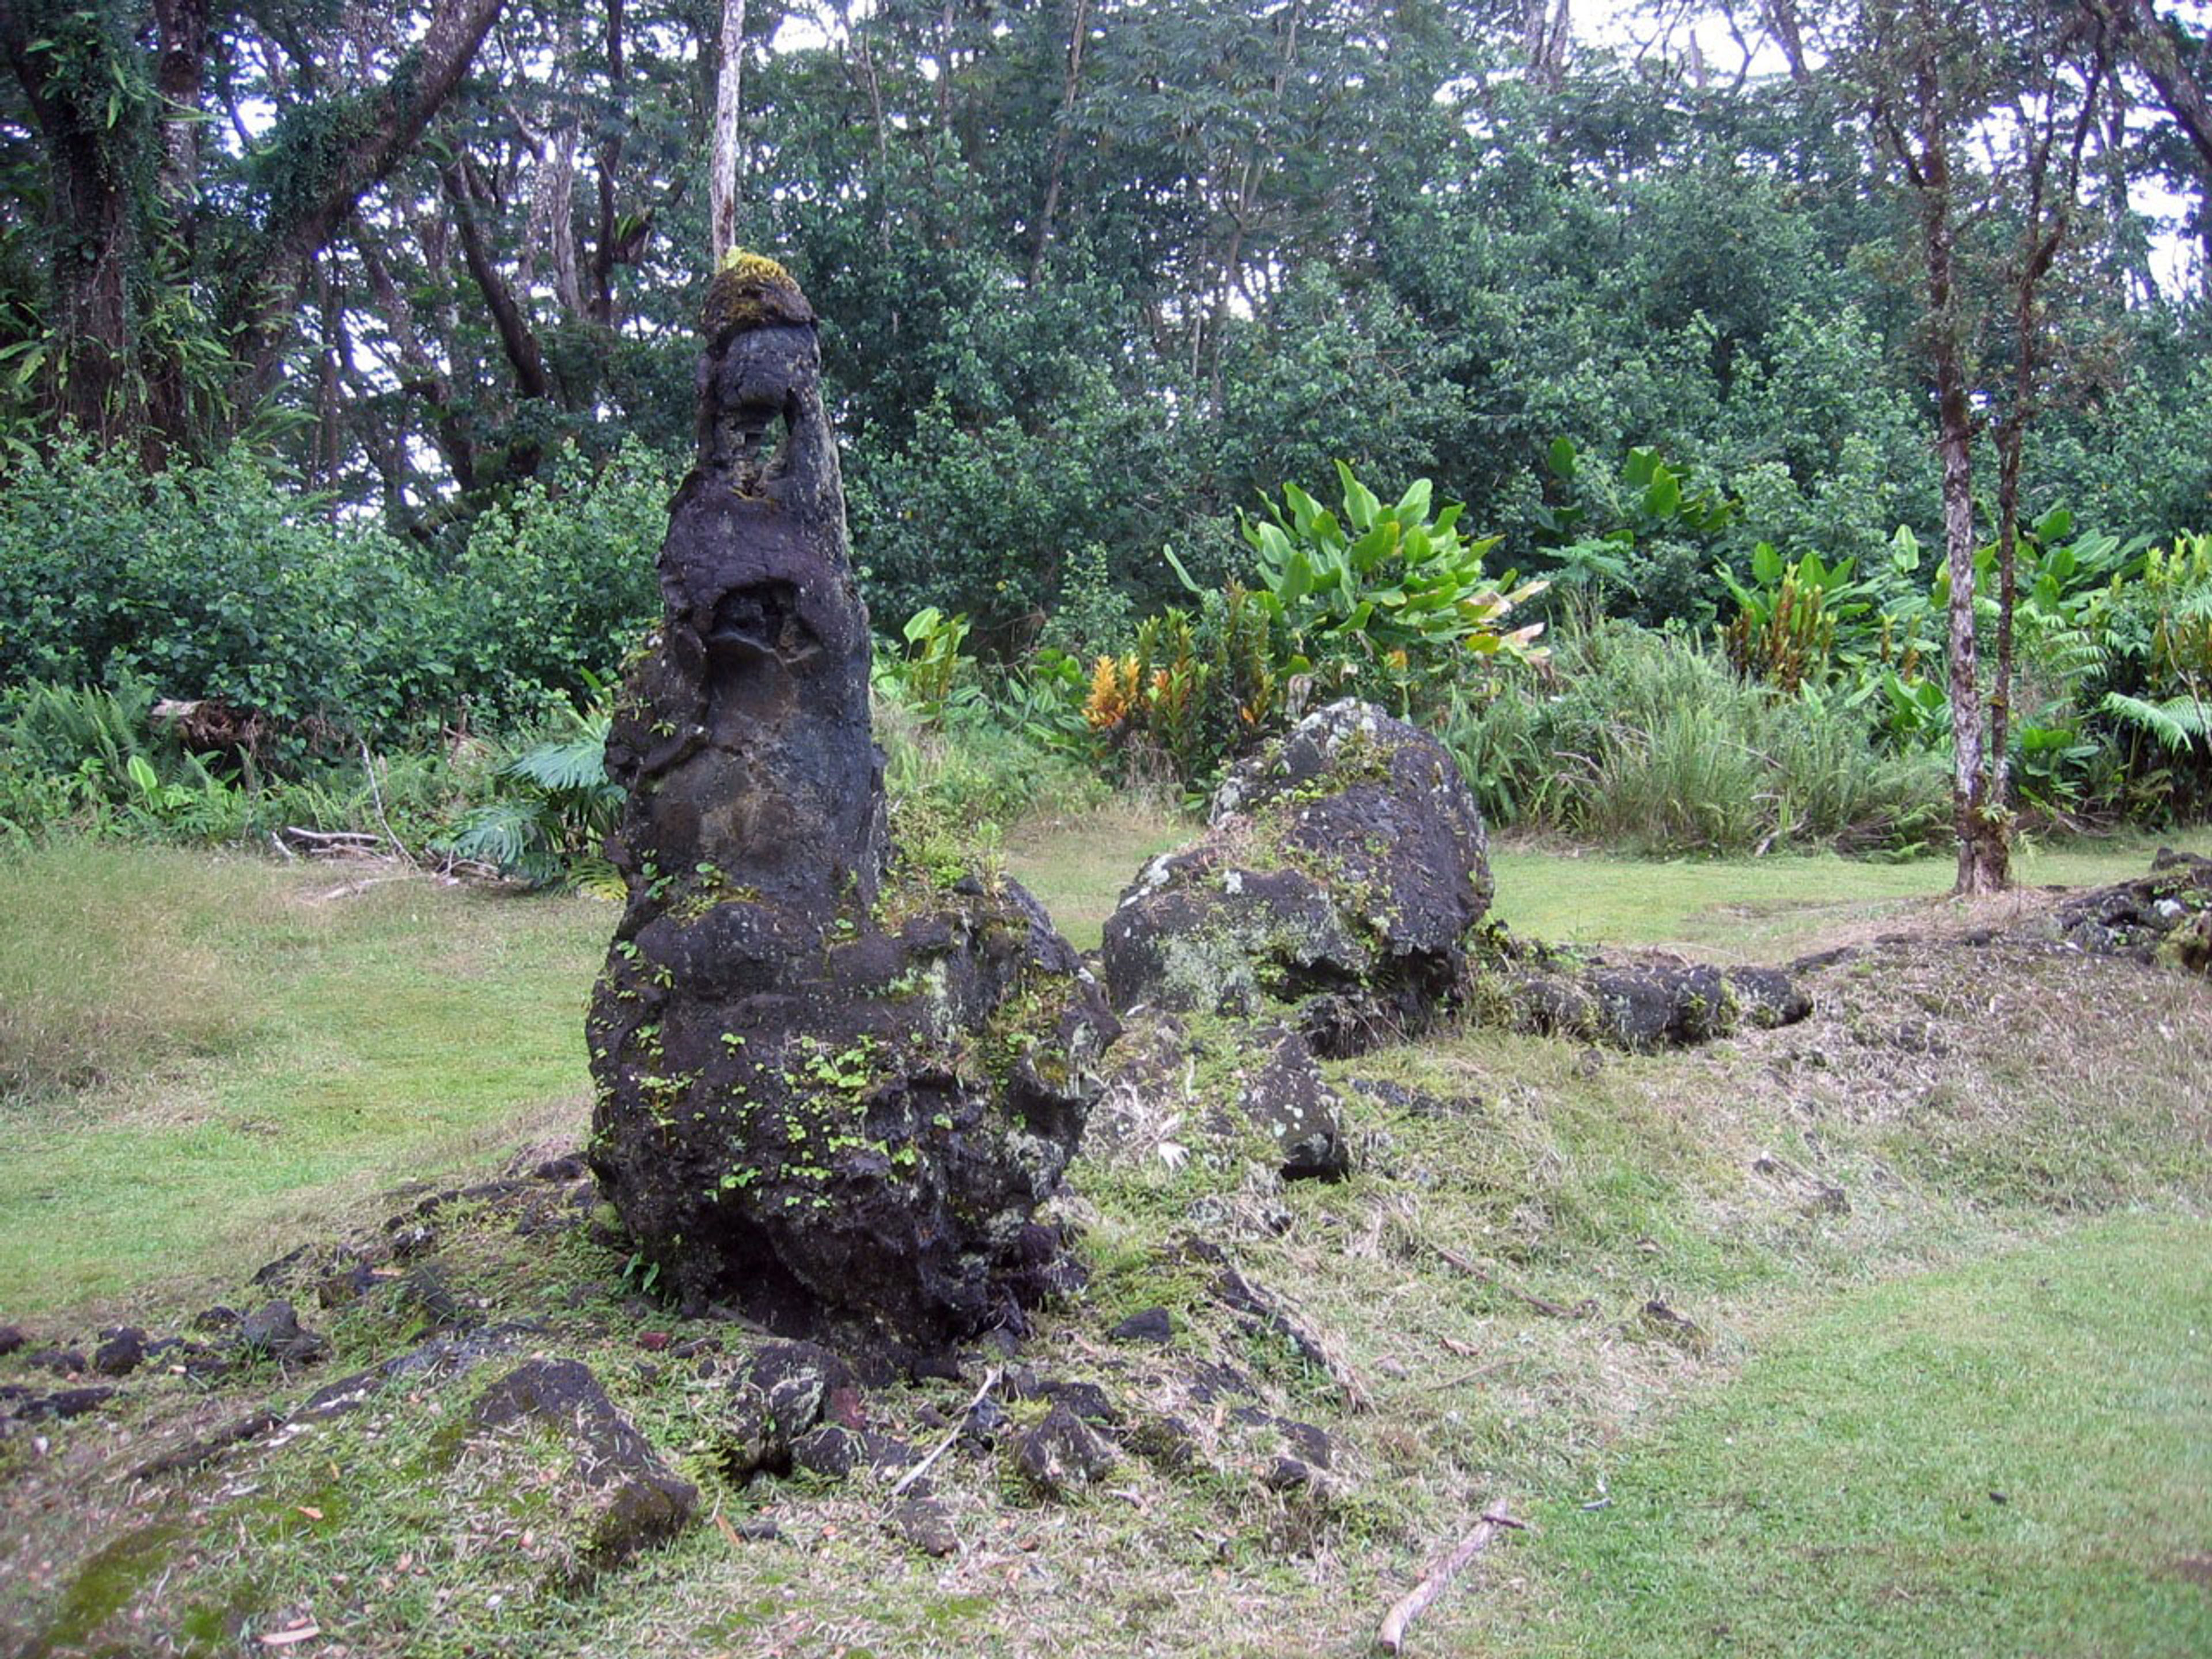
(832, 1085)
(1344, 873)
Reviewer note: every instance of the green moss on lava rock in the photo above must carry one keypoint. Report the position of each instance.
(751, 290)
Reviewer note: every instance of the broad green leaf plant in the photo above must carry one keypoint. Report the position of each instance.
(1378, 594)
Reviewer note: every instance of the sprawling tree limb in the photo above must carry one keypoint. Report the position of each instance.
(397, 114)
(515, 338)
(2149, 42)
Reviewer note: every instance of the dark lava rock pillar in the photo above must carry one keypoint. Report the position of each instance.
(831, 1089)
(744, 743)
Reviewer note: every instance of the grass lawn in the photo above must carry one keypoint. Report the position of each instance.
(2014, 1458)
(1763, 909)
(259, 1050)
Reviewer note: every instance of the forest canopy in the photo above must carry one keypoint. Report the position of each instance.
(1096, 273)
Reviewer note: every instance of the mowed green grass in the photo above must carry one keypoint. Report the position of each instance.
(257, 1051)
(1748, 909)
(2012, 1459)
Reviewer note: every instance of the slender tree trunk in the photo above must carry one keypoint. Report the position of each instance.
(604, 255)
(1781, 25)
(722, 179)
(2010, 439)
(1079, 31)
(1983, 853)
(179, 70)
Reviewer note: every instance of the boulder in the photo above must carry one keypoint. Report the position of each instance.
(1344, 872)
(833, 1084)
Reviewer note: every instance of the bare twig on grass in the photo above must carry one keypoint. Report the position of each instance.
(376, 800)
(1391, 1638)
(341, 840)
(945, 1445)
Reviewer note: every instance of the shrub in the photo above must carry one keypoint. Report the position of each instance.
(217, 583)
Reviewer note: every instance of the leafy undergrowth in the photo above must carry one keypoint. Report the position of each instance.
(1555, 1274)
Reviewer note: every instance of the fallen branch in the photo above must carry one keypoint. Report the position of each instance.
(945, 1445)
(1453, 1259)
(1391, 1638)
(376, 798)
(333, 837)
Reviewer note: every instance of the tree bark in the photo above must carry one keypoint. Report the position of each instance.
(1079, 31)
(90, 376)
(722, 179)
(1984, 853)
(182, 29)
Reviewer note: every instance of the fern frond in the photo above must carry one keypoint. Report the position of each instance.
(2175, 722)
(574, 763)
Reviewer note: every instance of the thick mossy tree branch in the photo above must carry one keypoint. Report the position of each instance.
(328, 155)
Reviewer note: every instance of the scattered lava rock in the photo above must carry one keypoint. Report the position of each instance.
(783, 1395)
(62, 1362)
(1289, 1102)
(63, 1403)
(275, 1332)
(1152, 1325)
(2165, 917)
(1061, 1454)
(923, 1523)
(1640, 1002)
(633, 1499)
(121, 1352)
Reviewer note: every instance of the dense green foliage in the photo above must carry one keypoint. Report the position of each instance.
(357, 425)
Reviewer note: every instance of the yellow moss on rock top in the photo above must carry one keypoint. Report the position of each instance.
(751, 290)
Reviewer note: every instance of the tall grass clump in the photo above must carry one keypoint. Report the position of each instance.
(973, 761)
(1650, 741)
(109, 962)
